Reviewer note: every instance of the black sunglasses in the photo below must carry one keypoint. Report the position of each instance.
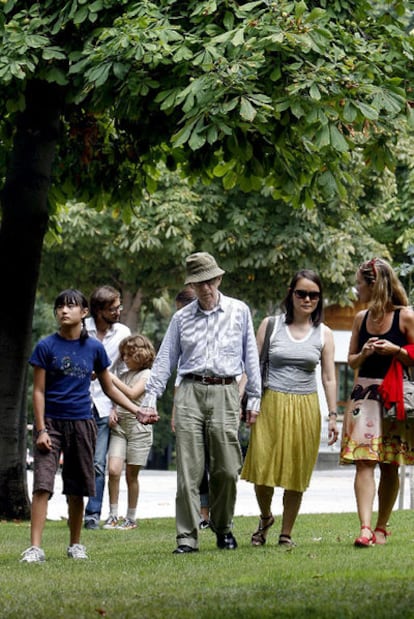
(302, 294)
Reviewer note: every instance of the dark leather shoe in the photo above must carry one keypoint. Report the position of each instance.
(226, 541)
(183, 549)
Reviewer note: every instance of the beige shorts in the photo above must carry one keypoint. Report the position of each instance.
(130, 440)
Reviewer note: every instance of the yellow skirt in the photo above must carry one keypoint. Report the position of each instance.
(284, 441)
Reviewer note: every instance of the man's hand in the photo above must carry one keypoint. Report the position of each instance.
(147, 415)
(251, 417)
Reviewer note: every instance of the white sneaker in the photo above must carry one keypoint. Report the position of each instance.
(34, 554)
(111, 523)
(77, 551)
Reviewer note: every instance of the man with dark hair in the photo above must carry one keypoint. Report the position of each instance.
(103, 324)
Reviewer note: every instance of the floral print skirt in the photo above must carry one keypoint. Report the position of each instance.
(366, 435)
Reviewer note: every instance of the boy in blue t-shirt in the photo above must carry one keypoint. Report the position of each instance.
(63, 366)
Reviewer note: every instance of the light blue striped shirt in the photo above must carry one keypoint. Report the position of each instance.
(220, 342)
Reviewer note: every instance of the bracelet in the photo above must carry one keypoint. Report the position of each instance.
(42, 431)
(333, 414)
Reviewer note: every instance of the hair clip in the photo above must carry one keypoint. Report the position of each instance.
(371, 264)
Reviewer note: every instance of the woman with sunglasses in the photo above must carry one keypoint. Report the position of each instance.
(378, 335)
(284, 441)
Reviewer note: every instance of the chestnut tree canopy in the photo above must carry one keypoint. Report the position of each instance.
(281, 99)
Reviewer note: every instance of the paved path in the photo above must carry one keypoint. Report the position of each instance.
(330, 491)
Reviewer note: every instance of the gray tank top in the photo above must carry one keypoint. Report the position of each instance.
(292, 363)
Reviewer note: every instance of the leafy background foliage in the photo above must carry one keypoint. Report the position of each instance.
(276, 135)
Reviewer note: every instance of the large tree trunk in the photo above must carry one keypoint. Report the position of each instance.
(24, 223)
(132, 302)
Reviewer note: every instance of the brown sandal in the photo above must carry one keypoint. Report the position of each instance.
(258, 539)
(286, 540)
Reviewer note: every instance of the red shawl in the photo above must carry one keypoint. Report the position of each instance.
(391, 388)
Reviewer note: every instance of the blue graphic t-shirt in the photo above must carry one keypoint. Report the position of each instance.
(69, 365)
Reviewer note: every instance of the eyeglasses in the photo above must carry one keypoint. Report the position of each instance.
(115, 310)
(207, 282)
(302, 294)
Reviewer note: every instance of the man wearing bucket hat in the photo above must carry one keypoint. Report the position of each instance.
(210, 341)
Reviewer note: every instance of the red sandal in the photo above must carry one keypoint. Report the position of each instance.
(384, 532)
(364, 542)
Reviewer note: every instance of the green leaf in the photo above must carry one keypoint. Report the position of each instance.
(282, 105)
(250, 6)
(229, 105)
(276, 74)
(96, 6)
(229, 180)
(224, 128)
(197, 140)
(316, 15)
(410, 116)
(247, 111)
(300, 9)
(350, 112)
(120, 70)
(327, 180)
(228, 20)
(224, 37)
(297, 109)
(315, 92)
(81, 15)
(308, 200)
(16, 70)
(182, 136)
(368, 111)
(212, 134)
(99, 74)
(223, 168)
(53, 53)
(322, 137)
(338, 141)
(54, 74)
(238, 38)
(36, 41)
(390, 101)
(207, 7)
(183, 53)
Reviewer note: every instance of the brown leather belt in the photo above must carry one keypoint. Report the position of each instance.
(211, 380)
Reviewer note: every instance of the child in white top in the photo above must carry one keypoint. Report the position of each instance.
(130, 441)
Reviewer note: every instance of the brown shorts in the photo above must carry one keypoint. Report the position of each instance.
(75, 440)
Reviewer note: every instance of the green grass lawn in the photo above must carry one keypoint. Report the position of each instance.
(133, 574)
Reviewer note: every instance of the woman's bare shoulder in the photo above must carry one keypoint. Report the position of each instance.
(407, 315)
(359, 317)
